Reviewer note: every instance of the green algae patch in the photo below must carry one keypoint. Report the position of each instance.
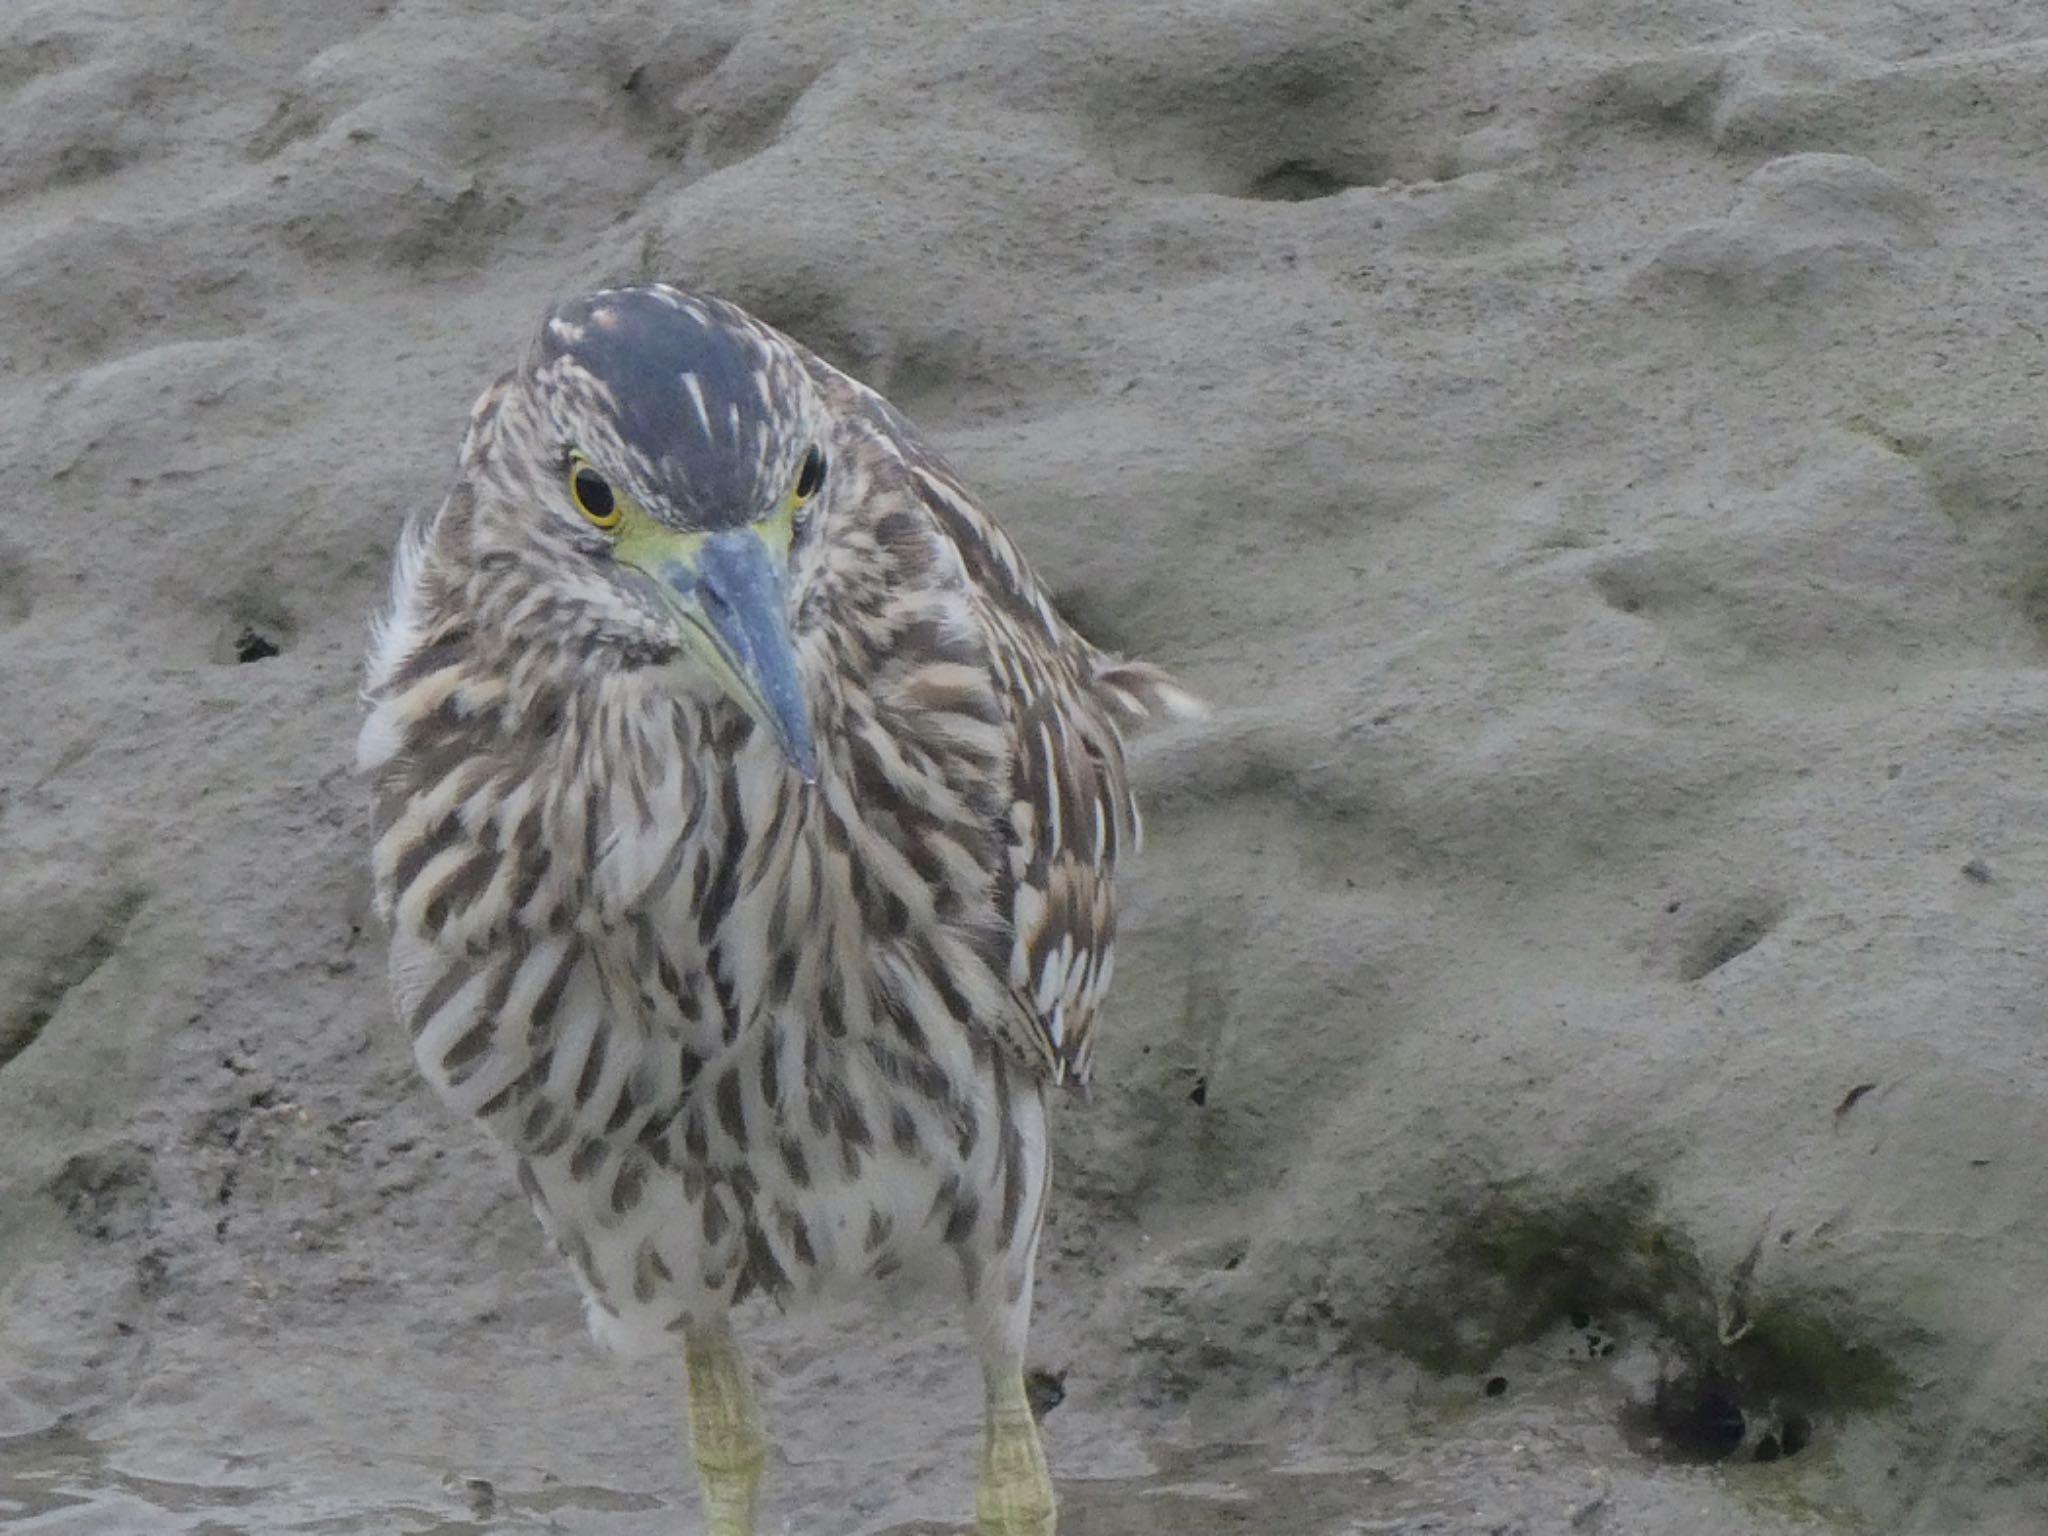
(1519, 1266)
(1793, 1347)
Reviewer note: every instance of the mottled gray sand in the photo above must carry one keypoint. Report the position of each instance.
(1592, 454)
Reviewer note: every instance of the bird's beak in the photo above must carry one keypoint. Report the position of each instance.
(729, 592)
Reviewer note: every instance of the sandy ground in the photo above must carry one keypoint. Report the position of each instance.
(1581, 1022)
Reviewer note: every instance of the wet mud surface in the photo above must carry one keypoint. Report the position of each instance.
(1592, 457)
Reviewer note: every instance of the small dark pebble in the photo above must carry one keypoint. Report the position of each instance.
(1978, 871)
(1045, 1391)
(1200, 1095)
(1496, 1385)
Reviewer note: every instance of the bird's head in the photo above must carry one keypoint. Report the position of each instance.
(646, 490)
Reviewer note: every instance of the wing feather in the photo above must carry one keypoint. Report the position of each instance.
(1070, 813)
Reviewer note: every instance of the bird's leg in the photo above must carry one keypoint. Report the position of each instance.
(1015, 1495)
(725, 1428)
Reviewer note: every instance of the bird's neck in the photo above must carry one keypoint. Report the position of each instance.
(507, 800)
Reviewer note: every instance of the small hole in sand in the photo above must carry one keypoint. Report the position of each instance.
(1697, 1418)
(1297, 181)
(253, 645)
(254, 628)
(1496, 1385)
(1625, 586)
(1735, 934)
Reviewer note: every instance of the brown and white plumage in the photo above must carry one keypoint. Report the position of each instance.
(762, 981)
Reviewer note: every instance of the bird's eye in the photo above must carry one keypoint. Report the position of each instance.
(593, 496)
(809, 477)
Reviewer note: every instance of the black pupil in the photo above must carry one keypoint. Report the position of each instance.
(811, 476)
(592, 494)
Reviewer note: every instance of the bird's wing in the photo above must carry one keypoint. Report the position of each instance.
(1071, 816)
(1070, 813)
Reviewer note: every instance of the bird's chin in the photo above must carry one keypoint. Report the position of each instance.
(644, 652)
(683, 673)
(655, 658)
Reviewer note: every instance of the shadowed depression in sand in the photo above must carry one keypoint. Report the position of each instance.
(1577, 1056)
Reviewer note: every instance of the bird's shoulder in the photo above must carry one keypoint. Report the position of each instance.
(970, 629)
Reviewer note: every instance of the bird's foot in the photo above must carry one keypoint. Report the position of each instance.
(1015, 1497)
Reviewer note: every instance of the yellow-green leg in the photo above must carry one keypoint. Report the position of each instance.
(1015, 1496)
(725, 1429)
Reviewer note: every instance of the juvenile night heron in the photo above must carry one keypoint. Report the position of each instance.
(745, 823)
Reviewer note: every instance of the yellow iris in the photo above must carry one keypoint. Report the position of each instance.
(593, 496)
